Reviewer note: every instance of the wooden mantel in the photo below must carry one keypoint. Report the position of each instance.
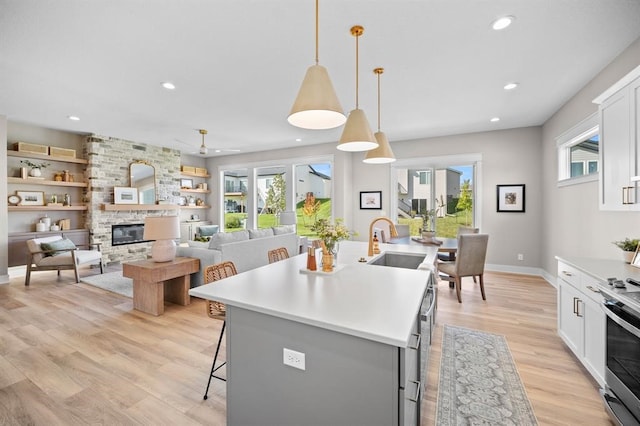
(129, 207)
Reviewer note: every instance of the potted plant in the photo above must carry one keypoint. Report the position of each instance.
(35, 167)
(628, 247)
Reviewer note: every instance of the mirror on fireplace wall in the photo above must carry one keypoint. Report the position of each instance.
(143, 177)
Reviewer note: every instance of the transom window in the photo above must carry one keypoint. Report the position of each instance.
(579, 153)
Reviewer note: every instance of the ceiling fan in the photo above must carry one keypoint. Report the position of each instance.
(203, 147)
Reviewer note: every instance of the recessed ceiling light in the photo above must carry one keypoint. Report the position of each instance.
(502, 22)
(73, 117)
(298, 140)
(510, 86)
(168, 85)
(495, 119)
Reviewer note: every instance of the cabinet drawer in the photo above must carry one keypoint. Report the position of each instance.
(569, 274)
(590, 288)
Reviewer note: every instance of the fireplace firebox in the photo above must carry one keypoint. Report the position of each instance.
(128, 233)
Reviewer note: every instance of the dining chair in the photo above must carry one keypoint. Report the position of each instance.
(56, 253)
(472, 252)
(461, 230)
(217, 310)
(278, 254)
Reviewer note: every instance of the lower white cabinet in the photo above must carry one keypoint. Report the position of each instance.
(581, 321)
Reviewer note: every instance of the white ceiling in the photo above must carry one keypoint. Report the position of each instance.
(238, 64)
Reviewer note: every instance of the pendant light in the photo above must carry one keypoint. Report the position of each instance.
(383, 153)
(357, 134)
(203, 149)
(316, 107)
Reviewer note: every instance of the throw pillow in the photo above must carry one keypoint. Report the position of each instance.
(198, 244)
(221, 238)
(63, 244)
(284, 229)
(207, 230)
(260, 233)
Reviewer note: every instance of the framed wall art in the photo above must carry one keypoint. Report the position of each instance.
(125, 195)
(31, 198)
(511, 198)
(371, 200)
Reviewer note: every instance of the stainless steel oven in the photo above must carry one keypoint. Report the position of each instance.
(622, 372)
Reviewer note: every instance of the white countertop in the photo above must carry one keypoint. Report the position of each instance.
(601, 269)
(378, 303)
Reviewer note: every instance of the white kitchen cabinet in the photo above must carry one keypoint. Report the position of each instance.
(619, 112)
(581, 321)
(570, 325)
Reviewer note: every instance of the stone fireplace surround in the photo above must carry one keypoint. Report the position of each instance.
(109, 160)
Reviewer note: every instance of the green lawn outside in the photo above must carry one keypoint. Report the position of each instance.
(446, 227)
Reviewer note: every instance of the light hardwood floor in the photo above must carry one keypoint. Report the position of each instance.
(74, 354)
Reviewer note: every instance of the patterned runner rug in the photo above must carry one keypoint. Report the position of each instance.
(111, 281)
(479, 382)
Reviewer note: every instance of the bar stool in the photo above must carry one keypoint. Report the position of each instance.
(217, 310)
(276, 255)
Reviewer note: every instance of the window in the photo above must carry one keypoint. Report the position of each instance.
(578, 153)
(444, 186)
(254, 196)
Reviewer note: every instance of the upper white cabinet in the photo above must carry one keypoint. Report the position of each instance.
(619, 112)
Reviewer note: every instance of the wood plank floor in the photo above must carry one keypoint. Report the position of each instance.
(74, 354)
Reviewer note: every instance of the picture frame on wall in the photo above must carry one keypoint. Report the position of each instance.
(510, 198)
(125, 195)
(370, 200)
(31, 198)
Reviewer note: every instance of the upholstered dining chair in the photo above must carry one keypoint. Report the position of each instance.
(472, 252)
(278, 254)
(56, 253)
(461, 230)
(217, 310)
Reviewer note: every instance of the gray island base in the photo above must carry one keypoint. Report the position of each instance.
(360, 331)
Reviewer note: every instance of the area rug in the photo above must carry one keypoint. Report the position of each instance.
(479, 382)
(111, 281)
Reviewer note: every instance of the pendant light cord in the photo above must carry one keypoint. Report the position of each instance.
(378, 101)
(357, 61)
(317, 20)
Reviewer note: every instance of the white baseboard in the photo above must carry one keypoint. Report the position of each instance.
(17, 271)
(4, 279)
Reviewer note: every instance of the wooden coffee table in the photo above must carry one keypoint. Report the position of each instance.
(157, 282)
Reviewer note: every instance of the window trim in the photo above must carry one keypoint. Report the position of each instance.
(587, 128)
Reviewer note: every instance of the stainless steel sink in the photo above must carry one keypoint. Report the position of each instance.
(398, 260)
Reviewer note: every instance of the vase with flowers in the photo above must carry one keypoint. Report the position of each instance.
(427, 232)
(35, 167)
(330, 235)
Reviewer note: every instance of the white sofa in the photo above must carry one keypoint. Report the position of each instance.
(247, 249)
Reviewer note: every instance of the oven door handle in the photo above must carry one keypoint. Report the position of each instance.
(622, 323)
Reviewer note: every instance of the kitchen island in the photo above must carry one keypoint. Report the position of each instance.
(358, 333)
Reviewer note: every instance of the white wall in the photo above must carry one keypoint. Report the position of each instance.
(573, 225)
(4, 214)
